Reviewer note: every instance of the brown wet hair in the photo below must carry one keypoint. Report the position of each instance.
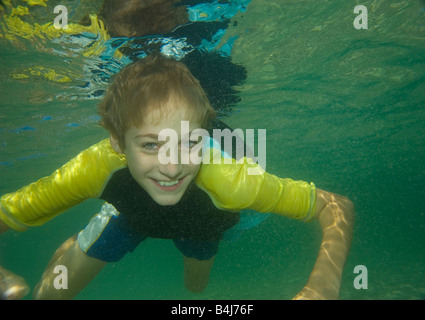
(154, 84)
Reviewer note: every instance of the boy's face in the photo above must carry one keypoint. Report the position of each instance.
(165, 183)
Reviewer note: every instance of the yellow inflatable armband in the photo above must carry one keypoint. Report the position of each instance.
(81, 178)
(234, 187)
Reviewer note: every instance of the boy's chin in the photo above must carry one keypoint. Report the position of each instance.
(167, 200)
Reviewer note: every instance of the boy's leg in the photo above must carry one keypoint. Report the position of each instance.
(12, 286)
(196, 273)
(80, 268)
(198, 259)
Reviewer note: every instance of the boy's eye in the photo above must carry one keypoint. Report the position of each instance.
(189, 144)
(150, 146)
(154, 147)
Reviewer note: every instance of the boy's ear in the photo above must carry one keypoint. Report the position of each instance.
(115, 144)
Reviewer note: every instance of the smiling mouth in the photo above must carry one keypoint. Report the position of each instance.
(168, 185)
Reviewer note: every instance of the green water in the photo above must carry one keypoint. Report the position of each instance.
(343, 108)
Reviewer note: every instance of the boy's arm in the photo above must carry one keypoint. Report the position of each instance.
(232, 187)
(336, 217)
(81, 178)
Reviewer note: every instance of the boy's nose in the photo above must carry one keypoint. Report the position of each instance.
(171, 170)
(169, 162)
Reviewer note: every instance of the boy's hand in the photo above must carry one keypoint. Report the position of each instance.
(12, 287)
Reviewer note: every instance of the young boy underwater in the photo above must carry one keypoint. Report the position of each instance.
(189, 202)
